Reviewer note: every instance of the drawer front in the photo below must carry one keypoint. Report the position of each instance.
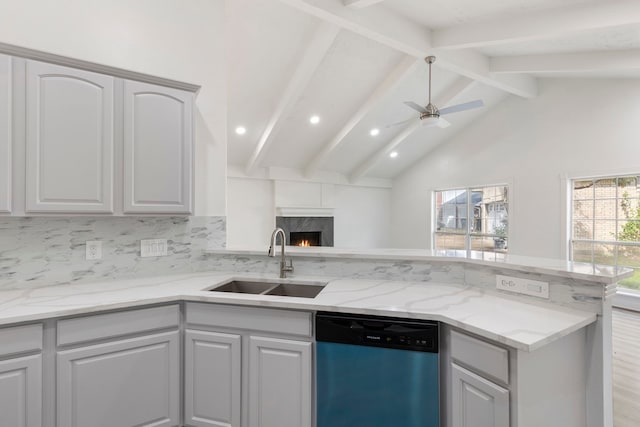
(82, 329)
(20, 339)
(257, 319)
(483, 357)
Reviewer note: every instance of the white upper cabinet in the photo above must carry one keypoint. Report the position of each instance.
(69, 140)
(5, 134)
(158, 159)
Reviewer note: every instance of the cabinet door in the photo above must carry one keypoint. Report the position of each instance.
(279, 383)
(69, 140)
(5, 133)
(476, 401)
(158, 148)
(132, 382)
(212, 379)
(21, 392)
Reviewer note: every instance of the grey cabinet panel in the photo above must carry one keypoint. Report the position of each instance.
(100, 326)
(20, 339)
(158, 149)
(279, 383)
(21, 392)
(477, 402)
(486, 358)
(286, 322)
(132, 382)
(5, 133)
(212, 379)
(70, 145)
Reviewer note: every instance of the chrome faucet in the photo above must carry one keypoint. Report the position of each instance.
(284, 268)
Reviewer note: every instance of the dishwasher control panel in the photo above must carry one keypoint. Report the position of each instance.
(416, 335)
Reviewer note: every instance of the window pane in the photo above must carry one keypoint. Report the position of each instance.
(451, 211)
(583, 190)
(604, 230)
(604, 254)
(605, 209)
(582, 251)
(488, 244)
(583, 229)
(449, 241)
(583, 209)
(629, 231)
(605, 188)
(490, 210)
(629, 256)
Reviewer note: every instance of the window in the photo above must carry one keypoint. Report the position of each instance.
(605, 223)
(472, 219)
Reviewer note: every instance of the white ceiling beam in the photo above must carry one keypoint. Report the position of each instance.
(568, 62)
(413, 39)
(539, 25)
(457, 88)
(311, 58)
(390, 83)
(359, 4)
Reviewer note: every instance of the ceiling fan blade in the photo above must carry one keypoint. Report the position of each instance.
(462, 107)
(415, 106)
(404, 122)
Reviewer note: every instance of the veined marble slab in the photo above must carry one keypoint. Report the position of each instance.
(517, 324)
(606, 274)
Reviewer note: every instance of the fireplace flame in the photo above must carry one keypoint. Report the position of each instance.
(304, 243)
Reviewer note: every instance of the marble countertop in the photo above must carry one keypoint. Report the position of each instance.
(598, 273)
(520, 325)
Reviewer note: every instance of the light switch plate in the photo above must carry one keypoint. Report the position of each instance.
(519, 285)
(93, 250)
(153, 247)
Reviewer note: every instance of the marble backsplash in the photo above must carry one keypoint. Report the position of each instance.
(38, 251)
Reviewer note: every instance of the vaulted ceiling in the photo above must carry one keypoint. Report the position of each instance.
(353, 63)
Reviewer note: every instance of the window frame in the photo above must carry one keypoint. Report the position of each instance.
(625, 298)
(470, 218)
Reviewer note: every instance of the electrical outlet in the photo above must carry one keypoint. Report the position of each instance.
(523, 286)
(153, 247)
(93, 250)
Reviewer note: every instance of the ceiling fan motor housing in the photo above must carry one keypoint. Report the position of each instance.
(431, 111)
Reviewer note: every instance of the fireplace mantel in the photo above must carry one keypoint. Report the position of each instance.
(304, 211)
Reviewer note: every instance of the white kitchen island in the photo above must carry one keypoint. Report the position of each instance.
(556, 353)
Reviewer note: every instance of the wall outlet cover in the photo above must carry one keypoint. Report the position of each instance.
(519, 285)
(153, 248)
(93, 250)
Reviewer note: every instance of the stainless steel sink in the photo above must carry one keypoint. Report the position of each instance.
(301, 290)
(244, 287)
(295, 290)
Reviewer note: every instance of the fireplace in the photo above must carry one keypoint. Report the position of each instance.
(307, 231)
(305, 238)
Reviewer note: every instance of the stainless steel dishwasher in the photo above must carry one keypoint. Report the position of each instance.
(376, 371)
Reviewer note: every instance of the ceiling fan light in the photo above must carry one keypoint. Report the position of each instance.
(430, 121)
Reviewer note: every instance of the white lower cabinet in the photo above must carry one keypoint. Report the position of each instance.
(21, 392)
(212, 379)
(477, 402)
(247, 367)
(119, 369)
(279, 383)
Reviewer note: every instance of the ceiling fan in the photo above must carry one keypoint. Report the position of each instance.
(430, 115)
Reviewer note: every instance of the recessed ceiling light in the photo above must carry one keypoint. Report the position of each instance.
(241, 130)
(374, 132)
(314, 120)
(393, 154)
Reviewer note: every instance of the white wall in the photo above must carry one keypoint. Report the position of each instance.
(251, 213)
(361, 214)
(574, 127)
(177, 39)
